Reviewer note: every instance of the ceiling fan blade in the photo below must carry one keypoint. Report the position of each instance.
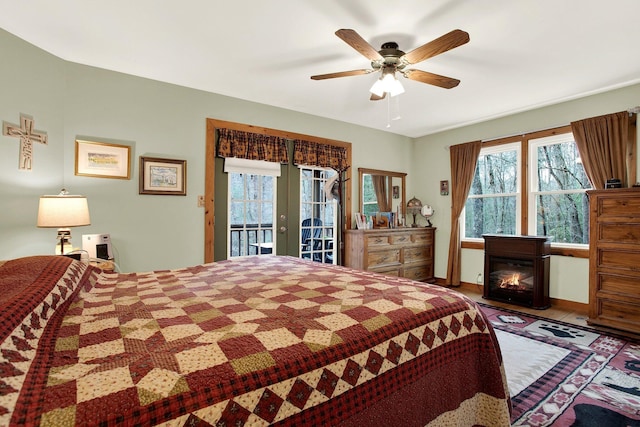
(375, 97)
(354, 40)
(435, 47)
(430, 78)
(341, 74)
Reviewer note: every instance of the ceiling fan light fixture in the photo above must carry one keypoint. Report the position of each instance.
(387, 83)
(377, 88)
(395, 87)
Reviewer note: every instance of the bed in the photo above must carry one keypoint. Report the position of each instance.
(263, 340)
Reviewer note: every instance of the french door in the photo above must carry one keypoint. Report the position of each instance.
(280, 209)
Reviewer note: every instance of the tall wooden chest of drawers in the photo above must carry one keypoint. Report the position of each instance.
(614, 258)
(403, 252)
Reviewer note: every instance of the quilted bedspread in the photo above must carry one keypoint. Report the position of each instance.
(262, 340)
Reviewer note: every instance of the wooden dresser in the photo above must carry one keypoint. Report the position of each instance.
(614, 258)
(403, 252)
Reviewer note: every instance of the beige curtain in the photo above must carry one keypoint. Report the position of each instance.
(382, 193)
(463, 166)
(603, 143)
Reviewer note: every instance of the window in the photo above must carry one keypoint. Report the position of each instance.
(494, 198)
(553, 201)
(558, 204)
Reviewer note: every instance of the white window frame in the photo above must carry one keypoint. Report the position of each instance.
(533, 185)
(512, 146)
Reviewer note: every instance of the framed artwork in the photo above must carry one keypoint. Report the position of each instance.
(396, 191)
(163, 176)
(444, 188)
(103, 160)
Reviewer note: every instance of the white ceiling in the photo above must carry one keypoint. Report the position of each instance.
(523, 54)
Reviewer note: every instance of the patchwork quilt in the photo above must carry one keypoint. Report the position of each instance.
(257, 341)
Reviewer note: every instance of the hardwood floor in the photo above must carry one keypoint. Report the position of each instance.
(553, 313)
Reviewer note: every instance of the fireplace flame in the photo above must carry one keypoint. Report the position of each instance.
(510, 282)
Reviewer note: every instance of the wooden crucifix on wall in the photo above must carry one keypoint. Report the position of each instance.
(27, 136)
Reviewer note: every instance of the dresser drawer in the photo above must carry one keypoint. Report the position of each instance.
(619, 232)
(423, 238)
(389, 271)
(618, 259)
(417, 273)
(375, 241)
(626, 286)
(400, 239)
(416, 254)
(619, 314)
(617, 206)
(388, 257)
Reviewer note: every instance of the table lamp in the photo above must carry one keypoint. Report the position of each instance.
(414, 206)
(62, 212)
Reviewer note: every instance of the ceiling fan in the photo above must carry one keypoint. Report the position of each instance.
(390, 59)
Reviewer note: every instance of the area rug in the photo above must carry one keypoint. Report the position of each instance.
(566, 375)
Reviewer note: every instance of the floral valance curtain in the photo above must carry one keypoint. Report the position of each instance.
(252, 146)
(323, 155)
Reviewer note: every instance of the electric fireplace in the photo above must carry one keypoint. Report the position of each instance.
(516, 269)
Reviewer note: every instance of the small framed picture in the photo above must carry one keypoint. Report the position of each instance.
(102, 160)
(163, 176)
(444, 188)
(396, 191)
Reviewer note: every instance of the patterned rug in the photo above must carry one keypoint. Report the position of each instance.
(566, 375)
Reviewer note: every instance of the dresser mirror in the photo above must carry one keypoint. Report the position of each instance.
(381, 191)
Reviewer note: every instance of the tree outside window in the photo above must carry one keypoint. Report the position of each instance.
(558, 203)
(494, 198)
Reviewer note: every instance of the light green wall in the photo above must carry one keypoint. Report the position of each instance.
(569, 277)
(31, 82)
(72, 101)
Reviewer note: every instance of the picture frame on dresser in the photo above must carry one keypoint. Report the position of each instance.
(163, 176)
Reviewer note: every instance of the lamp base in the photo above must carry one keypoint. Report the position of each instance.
(64, 245)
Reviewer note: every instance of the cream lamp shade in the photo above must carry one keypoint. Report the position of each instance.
(63, 211)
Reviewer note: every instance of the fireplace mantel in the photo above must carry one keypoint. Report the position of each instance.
(525, 257)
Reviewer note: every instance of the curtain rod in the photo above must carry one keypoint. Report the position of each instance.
(631, 111)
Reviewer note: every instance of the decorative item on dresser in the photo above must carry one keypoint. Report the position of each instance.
(403, 252)
(414, 207)
(614, 257)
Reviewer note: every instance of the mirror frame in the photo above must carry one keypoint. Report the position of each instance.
(389, 175)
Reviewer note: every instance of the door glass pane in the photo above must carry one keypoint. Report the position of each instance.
(251, 214)
(318, 226)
